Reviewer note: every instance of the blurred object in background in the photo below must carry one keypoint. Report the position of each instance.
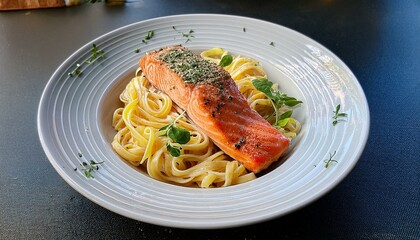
(34, 4)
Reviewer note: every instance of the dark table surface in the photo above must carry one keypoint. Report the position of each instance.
(378, 40)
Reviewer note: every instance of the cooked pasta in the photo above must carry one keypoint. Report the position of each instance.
(141, 138)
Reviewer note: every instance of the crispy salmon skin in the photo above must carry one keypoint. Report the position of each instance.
(213, 102)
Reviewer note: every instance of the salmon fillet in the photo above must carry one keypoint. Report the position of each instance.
(213, 102)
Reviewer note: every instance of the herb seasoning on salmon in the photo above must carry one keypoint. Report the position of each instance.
(192, 68)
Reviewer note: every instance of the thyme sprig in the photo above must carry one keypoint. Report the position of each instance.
(330, 160)
(146, 39)
(338, 115)
(89, 167)
(188, 35)
(77, 71)
(96, 54)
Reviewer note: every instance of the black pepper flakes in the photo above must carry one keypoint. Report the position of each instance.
(240, 143)
(219, 106)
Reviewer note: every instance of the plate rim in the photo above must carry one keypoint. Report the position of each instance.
(147, 219)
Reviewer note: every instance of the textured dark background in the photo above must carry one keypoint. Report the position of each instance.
(378, 40)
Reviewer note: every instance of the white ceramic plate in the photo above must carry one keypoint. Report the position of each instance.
(75, 113)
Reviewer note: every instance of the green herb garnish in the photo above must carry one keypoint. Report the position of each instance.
(278, 99)
(175, 151)
(226, 60)
(330, 160)
(243, 29)
(95, 55)
(77, 71)
(187, 35)
(337, 115)
(149, 36)
(178, 136)
(272, 44)
(90, 167)
(284, 118)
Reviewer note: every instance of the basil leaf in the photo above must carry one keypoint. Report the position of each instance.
(226, 60)
(165, 127)
(175, 152)
(278, 99)
(264, 86)
(292, 103)
(285, 115)
(283, 122)
(179, 135)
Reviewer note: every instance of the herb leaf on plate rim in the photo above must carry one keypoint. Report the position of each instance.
(188, 35)
(338, 115)
(88, 167)
(96, 54)
(330, 159)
